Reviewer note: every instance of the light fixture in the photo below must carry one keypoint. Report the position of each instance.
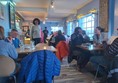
(52, 4)
(43, 22)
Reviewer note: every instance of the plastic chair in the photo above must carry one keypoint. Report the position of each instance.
(7, 67)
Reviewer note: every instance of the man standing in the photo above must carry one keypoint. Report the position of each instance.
(45, 34)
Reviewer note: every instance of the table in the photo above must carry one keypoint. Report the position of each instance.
(40, 46)
(22, 52)
(90, 47)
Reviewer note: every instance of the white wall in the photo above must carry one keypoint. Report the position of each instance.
(5, 22)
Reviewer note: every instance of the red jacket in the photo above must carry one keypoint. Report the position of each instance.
(62, 50)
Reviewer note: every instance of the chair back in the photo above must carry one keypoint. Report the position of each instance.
(41, 46)
(39, 66)
(7, 66)
(62, 50)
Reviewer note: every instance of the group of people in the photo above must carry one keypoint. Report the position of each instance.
(95, 58)
(12, 41)
(9, 44)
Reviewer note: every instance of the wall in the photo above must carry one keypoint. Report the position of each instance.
(5, 22)
(103, 14)
(116, 17)
(48, 25)
(91, 5)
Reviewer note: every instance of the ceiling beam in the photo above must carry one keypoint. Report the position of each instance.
(31, 9)
(19, 15)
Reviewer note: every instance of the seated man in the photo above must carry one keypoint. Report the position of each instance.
(76, 39)
(13, 38)
(6, 48)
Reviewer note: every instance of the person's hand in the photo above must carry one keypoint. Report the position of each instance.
(100, 45)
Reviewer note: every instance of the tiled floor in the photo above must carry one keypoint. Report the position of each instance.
(70, 74)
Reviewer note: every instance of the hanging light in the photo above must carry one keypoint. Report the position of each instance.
(52, 4)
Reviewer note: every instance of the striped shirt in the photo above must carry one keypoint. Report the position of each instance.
(112, 50)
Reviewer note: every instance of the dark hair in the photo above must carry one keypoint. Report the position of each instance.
(59, 32)
(35, 20)
(76, 29)
(1, 33)
(14, 30)
(101, 29)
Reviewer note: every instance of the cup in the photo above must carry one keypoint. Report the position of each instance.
(22, 48)
(32, 44)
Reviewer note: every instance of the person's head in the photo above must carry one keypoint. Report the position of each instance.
(1, 33)
(78, 30)
(98, 30)
(36, 21)
(59, 32)
(45, 28)
(14, 33)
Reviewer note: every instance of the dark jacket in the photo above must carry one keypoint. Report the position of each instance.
(59, 38)
(39, 65)
(76, 39)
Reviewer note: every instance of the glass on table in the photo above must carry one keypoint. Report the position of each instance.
(32, 44)
(21, 45)
(22, 48)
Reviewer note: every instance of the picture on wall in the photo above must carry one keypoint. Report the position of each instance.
(1, 11)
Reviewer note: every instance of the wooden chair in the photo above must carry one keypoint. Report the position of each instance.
(7, 67)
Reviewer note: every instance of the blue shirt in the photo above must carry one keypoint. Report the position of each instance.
(8, 49)
(16, 42)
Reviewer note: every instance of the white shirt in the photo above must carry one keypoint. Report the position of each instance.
(35, 32)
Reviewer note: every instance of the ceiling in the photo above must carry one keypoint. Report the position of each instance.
(29, 9)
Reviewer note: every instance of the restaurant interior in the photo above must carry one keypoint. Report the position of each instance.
(58, 41)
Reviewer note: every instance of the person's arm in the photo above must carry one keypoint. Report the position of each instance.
(31, 33)
(12, 52)
(19, 43)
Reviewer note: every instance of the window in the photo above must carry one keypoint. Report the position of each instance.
(69, 28)
(87, 24)
(56, 29)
